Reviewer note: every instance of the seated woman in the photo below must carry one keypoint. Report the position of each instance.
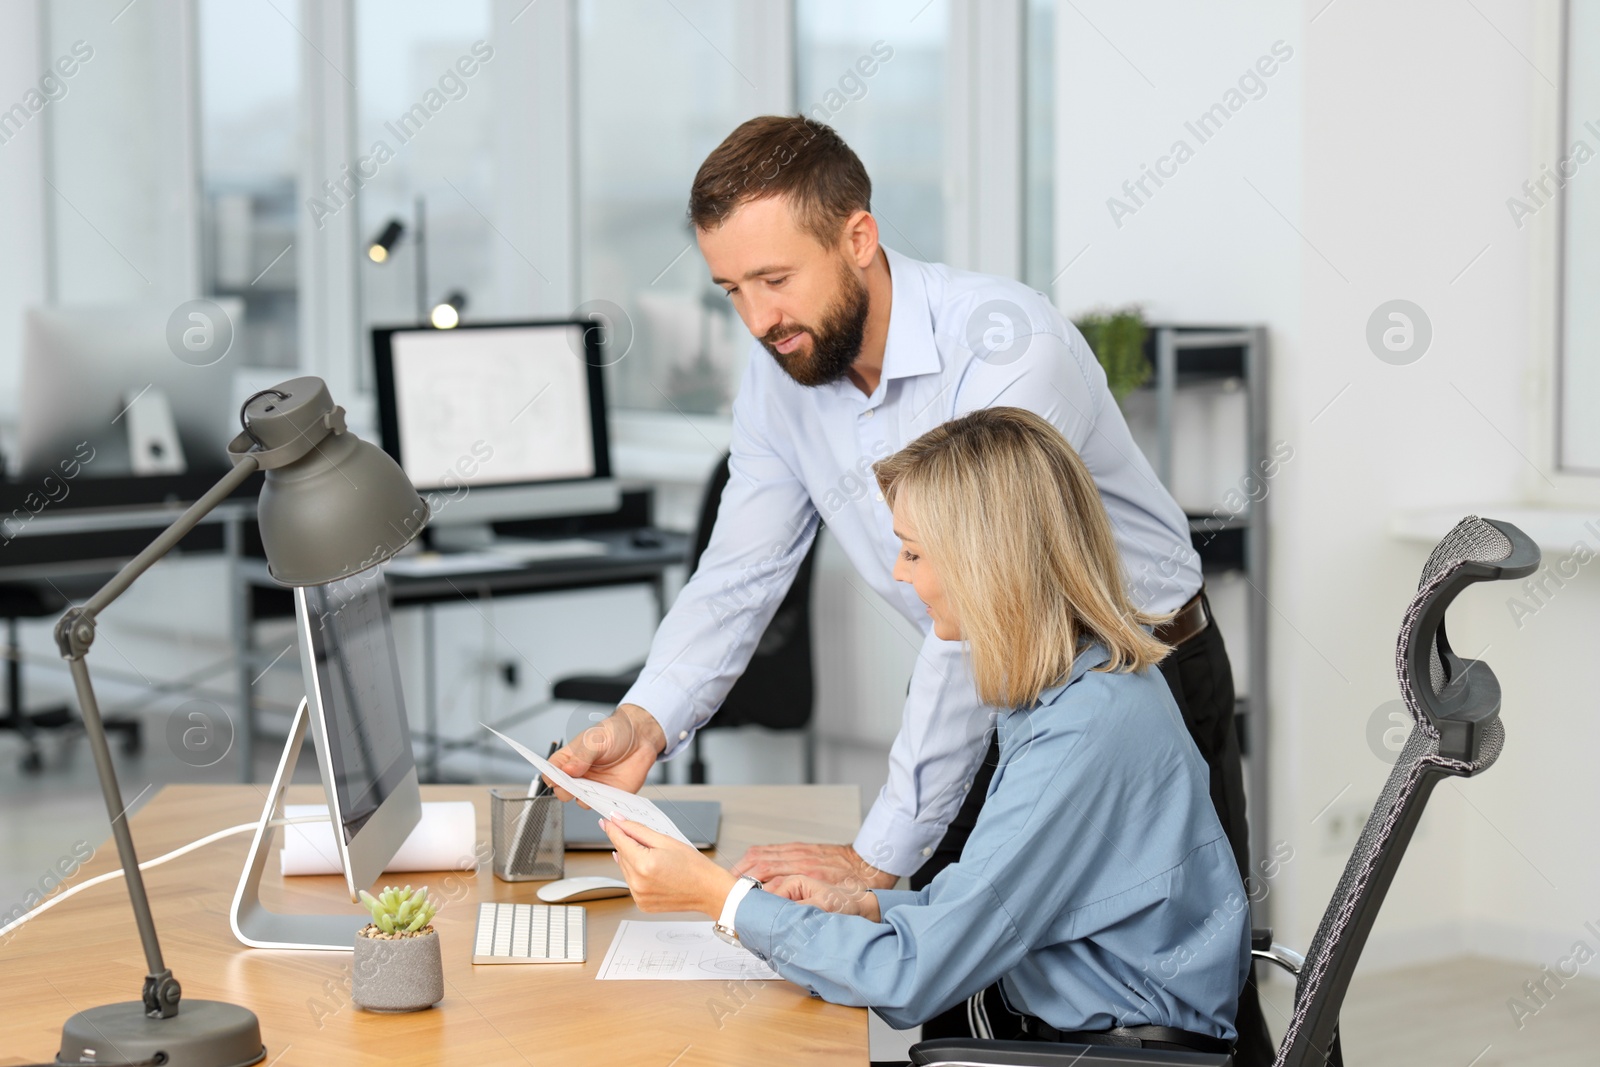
(1097, 885)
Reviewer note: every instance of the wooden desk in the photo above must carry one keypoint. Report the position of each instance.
(86, 952)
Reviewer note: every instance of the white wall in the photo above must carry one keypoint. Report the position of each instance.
(1375, 167)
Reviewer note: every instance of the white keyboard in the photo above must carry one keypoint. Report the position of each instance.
(532, 551)
(529, 933)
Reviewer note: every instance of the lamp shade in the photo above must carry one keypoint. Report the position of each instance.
(333, 505)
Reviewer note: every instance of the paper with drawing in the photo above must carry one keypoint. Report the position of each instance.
(606, 799)
(677, 952)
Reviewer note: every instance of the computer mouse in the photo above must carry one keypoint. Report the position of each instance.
(647, 538)
(572, 890)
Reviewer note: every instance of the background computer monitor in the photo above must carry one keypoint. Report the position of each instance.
(358, 721)
(497, 421)
(92, 374)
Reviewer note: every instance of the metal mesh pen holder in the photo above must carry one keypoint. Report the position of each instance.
(529, 842)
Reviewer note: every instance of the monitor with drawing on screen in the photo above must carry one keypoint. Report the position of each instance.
(496, 421)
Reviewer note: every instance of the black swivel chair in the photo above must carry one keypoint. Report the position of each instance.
(29, 600)
(1455, 704)
(776, 689)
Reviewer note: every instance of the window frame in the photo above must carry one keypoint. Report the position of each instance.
(1565, 486)
(984, 160)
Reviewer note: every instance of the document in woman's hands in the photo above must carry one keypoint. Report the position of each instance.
(606, 799)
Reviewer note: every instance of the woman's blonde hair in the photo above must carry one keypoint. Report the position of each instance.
(1012, 519)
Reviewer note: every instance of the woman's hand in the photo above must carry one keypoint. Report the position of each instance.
(665, 874)
(843, 900)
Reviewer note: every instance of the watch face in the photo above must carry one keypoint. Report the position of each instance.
(726, 934)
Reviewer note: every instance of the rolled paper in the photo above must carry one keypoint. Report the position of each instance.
(443, 840)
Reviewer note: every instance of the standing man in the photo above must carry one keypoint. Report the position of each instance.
(860, 351)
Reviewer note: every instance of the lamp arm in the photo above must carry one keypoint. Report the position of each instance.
(245, 465)
(74, 635)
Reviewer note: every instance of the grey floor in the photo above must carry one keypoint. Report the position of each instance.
(1453, 1013)
(1448, 1014)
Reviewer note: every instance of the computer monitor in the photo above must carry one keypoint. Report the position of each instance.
(357, 716)
(358, 720)
(105, 382)
(497, 421)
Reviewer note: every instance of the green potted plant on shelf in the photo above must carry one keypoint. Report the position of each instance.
(397, 965)
(1117, 340)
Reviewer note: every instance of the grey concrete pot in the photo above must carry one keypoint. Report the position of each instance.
(403, 974)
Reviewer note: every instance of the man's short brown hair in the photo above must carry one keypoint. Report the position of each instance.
(791, 156)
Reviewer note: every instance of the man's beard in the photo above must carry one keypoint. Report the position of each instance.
(835, 343)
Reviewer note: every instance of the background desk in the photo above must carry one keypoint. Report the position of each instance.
(63, 554)
(86, 952)
(624, 563)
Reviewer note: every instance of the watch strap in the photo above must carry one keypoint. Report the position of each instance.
(730, 905)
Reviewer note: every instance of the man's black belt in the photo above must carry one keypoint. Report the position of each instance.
(1157, 1037)
(1189, 621)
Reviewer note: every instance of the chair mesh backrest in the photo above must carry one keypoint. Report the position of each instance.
(1472, 539)
(1414, 772)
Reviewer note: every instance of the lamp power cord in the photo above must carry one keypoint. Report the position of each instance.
(50, 902)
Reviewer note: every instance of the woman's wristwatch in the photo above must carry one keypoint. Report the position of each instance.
(723, 927)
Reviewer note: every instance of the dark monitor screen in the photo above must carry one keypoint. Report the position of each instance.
(357, 678)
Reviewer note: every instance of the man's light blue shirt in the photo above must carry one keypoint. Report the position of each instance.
(1097, 885)
(801, 455)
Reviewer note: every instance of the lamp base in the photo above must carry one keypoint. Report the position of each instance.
(204, 1033)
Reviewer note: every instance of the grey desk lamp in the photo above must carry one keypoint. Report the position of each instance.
(332, 506)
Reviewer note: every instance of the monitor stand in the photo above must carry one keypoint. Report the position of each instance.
(252, 923)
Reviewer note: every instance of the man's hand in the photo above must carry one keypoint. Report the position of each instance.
(834, 898)
(838, 865)
(665, 874)
(619, 750)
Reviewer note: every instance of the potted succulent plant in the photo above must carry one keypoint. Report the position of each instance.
(397, 965)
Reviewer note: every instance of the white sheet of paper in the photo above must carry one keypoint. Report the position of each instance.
(605, 799)
(677, 952)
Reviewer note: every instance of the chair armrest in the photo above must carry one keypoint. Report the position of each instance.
(971, 1052)
(1262, 947)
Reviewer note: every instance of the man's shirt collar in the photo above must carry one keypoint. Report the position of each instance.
(909, 349)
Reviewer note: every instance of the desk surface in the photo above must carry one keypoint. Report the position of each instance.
(86, 952)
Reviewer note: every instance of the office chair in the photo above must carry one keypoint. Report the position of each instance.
(1455, 704)
(776, 689)
(29, 600)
